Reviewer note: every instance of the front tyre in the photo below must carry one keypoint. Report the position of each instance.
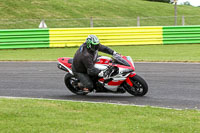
(71, 83)
(139, 88)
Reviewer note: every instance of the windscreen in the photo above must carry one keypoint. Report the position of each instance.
(120, 60)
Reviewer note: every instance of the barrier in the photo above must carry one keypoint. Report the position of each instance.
(24, 38)
(181, 34)
(68, 37)
(108, 36)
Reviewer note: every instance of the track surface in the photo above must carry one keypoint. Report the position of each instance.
(173, 85)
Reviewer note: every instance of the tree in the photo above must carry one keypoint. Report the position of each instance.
(187, 3)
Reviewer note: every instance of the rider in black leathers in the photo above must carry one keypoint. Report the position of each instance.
(84, 60)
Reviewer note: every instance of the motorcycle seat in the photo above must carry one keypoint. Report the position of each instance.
(70, 61)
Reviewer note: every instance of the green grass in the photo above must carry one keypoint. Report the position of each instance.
(183, 53)
(111, 13)
(48, 116)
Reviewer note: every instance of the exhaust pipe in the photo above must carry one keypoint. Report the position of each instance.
(60, 66)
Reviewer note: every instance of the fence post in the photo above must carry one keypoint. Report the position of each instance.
(175, 12)
(91, 22)
(183, 20)
(138, 21)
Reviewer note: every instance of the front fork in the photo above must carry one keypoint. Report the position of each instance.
(128, 81)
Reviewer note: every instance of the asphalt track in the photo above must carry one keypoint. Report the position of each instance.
(171, 85)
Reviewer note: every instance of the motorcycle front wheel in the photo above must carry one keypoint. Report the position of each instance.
(139, 88)
(70, 82)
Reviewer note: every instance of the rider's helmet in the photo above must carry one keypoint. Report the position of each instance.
(92, 42)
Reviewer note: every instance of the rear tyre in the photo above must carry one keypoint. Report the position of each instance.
(139, 88)
(70, 82)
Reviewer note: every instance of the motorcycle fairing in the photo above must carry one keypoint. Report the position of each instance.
(65, 61)
(111, 85)
(65, 64)
(116, 79)
(102, 62)
(108, 61)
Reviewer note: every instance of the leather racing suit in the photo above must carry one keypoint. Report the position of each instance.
(83, 64)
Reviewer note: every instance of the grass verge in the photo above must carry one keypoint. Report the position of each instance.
(70, 13)
(50, 116)
(166, 53)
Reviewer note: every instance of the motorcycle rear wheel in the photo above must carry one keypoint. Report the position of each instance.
(69, 79)
(139, 88)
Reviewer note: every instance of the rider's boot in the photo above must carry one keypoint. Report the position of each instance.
(86, 90)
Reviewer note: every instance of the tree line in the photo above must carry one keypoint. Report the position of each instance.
(169, 1)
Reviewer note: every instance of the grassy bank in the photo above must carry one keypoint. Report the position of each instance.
(47, 116)
(183, 53)
(70, 13)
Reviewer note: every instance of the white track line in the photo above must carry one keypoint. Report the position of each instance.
(121, 104)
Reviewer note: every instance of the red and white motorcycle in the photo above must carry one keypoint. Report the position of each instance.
(121, 76)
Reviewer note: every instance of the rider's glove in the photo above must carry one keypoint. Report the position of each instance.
(116, 55)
